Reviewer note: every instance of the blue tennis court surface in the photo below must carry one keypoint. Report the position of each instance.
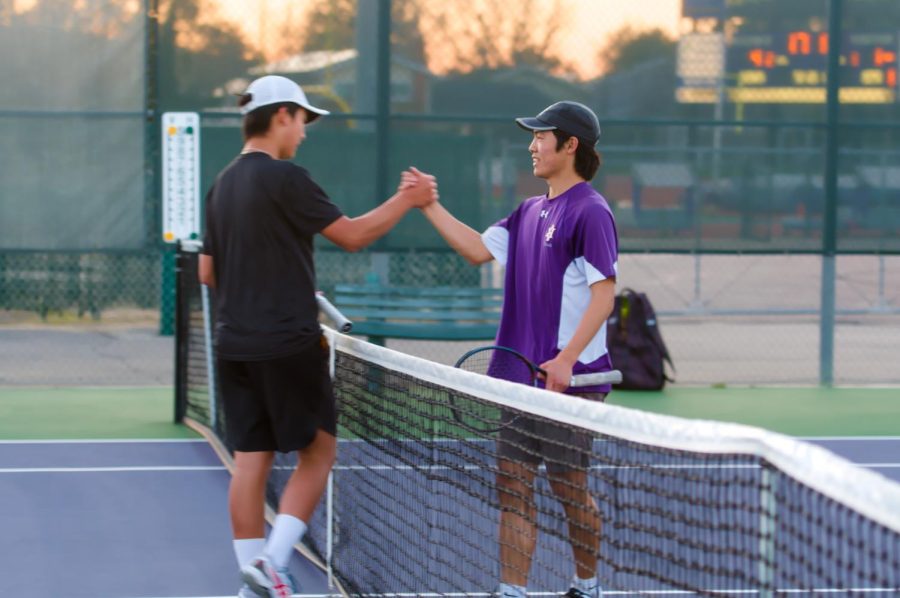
(129, 519)
(148, 519)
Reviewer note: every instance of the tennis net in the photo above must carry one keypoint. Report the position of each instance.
(686, 507)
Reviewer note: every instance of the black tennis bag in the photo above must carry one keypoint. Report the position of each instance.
(635, 344)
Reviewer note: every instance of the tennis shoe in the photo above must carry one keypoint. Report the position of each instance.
(268, 581)
(576, 593)
(503, 591)
(246, 592)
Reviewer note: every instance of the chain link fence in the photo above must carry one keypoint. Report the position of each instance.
(716, 137)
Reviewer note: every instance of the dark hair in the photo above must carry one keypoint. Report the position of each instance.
(587, 159)
(257, 123)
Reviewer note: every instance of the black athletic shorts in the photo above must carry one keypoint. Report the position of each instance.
(278, 404)
(533, 440)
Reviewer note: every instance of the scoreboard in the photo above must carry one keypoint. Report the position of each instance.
(791, 67)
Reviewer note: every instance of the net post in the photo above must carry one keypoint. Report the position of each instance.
(330, 336)
(181, 332)
(210, 366)
(329, 531)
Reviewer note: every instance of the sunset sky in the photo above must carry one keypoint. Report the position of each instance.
(589, 22)
(586, 24)
(593, 20)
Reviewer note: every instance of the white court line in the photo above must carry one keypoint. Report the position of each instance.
(108, 441)
(112, 469)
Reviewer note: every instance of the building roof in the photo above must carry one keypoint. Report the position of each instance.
(310, 62)
(305, 62)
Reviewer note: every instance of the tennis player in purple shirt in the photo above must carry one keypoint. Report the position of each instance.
(560, 251)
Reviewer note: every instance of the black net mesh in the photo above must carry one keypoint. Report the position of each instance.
(422, 505)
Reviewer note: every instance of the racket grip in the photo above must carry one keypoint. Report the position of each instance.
(333, 314)
(610, 377)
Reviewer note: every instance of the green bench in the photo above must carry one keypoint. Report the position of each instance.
(424, 313)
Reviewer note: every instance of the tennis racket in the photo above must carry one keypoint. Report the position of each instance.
(507, 364)
(332, 313)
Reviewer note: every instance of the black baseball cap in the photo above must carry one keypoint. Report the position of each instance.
(569, 117)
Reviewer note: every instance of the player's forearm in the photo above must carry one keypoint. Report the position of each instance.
(598, 311)
(376, 223)
(465, 240)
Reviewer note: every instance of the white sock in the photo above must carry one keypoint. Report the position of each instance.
(248, 549)
(286, 532)
(588, 586)
(508, 590)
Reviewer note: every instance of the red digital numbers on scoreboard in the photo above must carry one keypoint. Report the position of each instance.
(804, 43)
(799, 58)
(799, 43)
(882, 57)
(762, 59)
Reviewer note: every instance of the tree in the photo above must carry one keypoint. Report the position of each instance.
(490, 35)
(199, 52)
(331, 25)
(487, 34)
(94, 17)
(628, 47)
(288, 39)
(39, 41)
(7, 12)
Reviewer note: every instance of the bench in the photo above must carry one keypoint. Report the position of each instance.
(424, 313)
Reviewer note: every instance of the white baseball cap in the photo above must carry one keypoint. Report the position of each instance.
(274, 89)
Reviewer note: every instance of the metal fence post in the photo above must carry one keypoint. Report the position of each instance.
(383, 100)
(829, 215)
(152, 182)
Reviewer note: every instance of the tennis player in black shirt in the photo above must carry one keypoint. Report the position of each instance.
(262, 213)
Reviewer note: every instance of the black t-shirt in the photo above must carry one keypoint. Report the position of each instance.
(261, 216)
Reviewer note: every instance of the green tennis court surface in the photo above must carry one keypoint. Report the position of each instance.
(62, 413)
(96, 413)
(807, 411)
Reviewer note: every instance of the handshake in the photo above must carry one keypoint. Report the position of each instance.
(417, 187)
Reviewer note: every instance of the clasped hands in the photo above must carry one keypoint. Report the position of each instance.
(420, 187)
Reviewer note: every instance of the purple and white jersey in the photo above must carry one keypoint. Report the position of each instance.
(553, 251)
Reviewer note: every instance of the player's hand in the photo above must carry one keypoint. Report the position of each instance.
(414, 176)
(559, 373)
(429, 179)
(407, 181)
(421, 188)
